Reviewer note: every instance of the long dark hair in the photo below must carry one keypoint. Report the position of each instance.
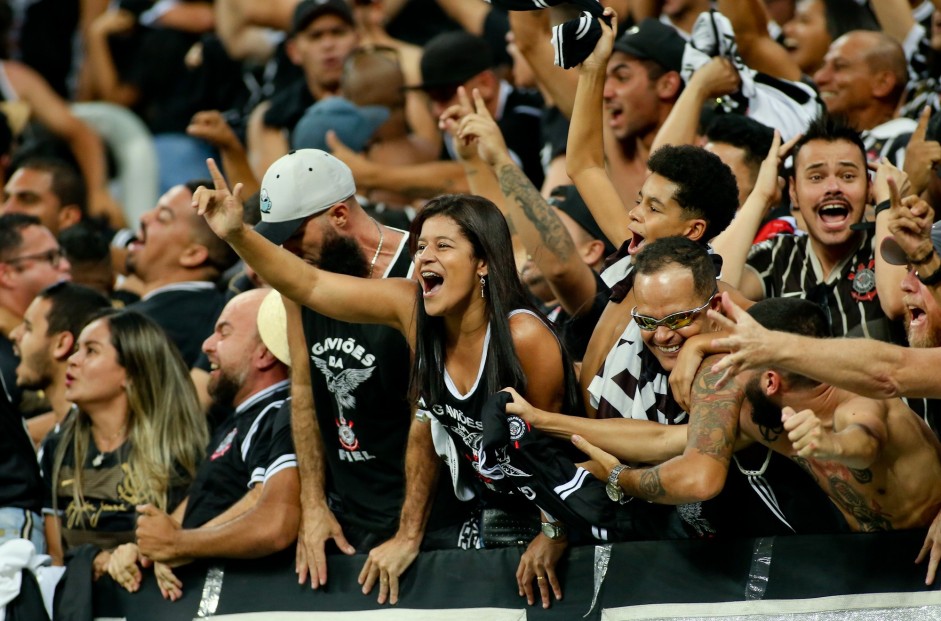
(485, 228)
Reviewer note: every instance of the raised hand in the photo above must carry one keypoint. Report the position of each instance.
(481, 127)
(222, 209)
(597, 61)
(450, 120)
(921, 155)
(745, 339)
(910, 221)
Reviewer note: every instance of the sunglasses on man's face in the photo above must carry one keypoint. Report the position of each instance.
(673, 321)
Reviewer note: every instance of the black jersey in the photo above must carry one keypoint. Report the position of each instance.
(20, 484)
(186, 311)
(359, 374)
(240, 446)
(107, 516)
(788, 267)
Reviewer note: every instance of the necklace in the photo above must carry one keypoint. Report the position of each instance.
(372, 264)
(100, 457)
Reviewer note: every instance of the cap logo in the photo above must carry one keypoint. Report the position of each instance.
(633, 30)
(265, 201)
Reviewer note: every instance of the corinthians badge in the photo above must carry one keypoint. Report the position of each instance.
(347, 436)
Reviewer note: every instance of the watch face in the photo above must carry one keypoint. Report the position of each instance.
(552, 531)
(614, 491)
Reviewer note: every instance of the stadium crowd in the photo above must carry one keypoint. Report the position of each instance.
(319, 277)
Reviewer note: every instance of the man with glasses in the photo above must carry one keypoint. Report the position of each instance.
(674, 286)
(30, 261)
(874, 458)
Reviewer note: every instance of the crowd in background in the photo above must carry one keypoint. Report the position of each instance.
(464, 274)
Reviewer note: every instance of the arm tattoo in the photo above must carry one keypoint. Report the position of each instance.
(713, 420)
(862, 476)
(518, 188)
(649, 486)
(868, 518)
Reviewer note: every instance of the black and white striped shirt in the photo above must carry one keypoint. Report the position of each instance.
(788, 267)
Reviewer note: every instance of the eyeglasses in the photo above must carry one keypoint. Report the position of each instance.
(52, 257)
(673, 321)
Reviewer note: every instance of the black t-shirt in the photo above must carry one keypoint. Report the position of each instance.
(187, 312)
(521, 125)
(8, 363)
(108, 517)
(20, 483)
(239, 447)
(575, 332)
(288, 105)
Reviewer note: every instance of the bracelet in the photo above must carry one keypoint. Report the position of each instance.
(931, 279)
(924, 259)
(880, 207)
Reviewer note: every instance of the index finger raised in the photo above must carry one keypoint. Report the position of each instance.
(217, 179)
(921, 130)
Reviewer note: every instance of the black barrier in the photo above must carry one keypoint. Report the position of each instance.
(782, 577)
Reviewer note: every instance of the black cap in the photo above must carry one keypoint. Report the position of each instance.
(309, 10)
(566, 198)
(653, 40)
(452, 58)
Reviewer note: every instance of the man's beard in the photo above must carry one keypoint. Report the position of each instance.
(343, 255)
(765, 413)
(40, 376)
(224, 389)
(929, 337)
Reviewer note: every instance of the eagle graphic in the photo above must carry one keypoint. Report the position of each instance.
(343, 383)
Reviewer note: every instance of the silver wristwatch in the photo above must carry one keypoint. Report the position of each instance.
(613, 488)
(553, 531)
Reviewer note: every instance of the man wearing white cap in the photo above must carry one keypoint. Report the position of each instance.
(359, 378)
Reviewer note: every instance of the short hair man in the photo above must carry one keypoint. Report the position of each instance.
(45, 340)
(834, 264)
(30, 260)
(322, 35)
(245, 499)
(863, 77)
(49, 189)
(178, 258)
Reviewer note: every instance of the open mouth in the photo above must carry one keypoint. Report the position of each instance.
(790, 44)
(431, 283)
(834, 215)
(668, 349)
(615, 114)
(918, 315)
(637, 243)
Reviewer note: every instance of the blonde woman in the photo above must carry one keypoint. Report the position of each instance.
(136, 428)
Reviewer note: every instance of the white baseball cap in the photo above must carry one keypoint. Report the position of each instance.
(299, 185)
(273, 326)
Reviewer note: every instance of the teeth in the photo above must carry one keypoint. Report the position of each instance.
(669, 350)
(428, 274)
(213, 366)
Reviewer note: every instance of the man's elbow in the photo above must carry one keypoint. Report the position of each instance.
(705, 484)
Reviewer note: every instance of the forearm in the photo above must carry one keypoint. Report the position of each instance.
(270, 526)
(482, 181)
(546, 239)
(238, 170)
(682, 124)
(734, 243)
(855, 448)
(585, 162)
(759, 51)
(308, 444)
(421, 475)
(895, 17)
(240, 506)
(634, 441)
(864, 366)
(195, 17)
(675, 482)
(275, 265)
(888, 277)
(417, 180)
(104, 76)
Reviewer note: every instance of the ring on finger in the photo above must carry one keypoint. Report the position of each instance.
(540, 578)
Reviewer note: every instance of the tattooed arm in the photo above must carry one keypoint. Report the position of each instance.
(543, 234)
(699, 473)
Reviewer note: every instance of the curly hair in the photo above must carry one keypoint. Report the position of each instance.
(706, 187)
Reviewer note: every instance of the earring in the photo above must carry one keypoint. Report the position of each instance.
(483, 283)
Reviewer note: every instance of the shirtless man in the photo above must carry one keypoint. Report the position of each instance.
(878, 462)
